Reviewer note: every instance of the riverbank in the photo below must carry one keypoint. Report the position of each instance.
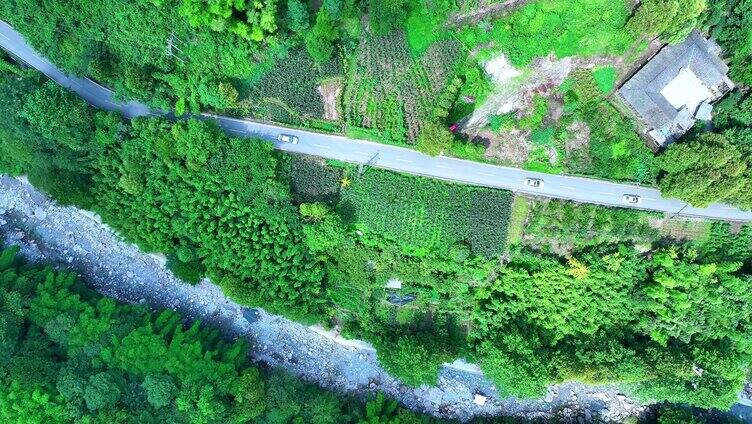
(76, 239)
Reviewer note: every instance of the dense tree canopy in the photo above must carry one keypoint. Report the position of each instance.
(704, 170)
(714, 166)
(319, 241)
(733, 29)
(672, 20)
(69, 355)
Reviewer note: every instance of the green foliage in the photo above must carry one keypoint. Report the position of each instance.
(311, 181)
(499, 123)
(605, 77)
(325, 230)
(476, 83)
(563, 299)
(560, 224)
(46, 134)
(614, 150)
(690, 300)
(400, 357)
(7, 65)
(539, 112)
(291, 85)
(334, 8)
(706, 169)
(297, 16)
(110, 359)
(434, 139)
(515, 365)
(384, 16)
(584, 91)
(224, 200)
(562, 27)
(123, 43)
(320, 39)
(733, 33)
(393, 93)
(425, 25)
(84, 358)
(191, 270)
(677, 415)
(250, 20)
(423, 213)
(735, 110)
(672, 20)
(663, 328)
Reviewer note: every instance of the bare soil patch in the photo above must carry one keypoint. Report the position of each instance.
(578, 141)
(484, 11)
(330, 93)
(681, 228)
(510, 147)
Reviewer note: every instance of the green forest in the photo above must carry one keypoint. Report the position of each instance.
(318, 242)
(535, 292)
(71, 355)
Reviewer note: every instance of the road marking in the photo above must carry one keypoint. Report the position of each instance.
(606, 193)
(485, 174)
(444, 167)
(323, 146)
(403, 160)
(568, 188)
(4, 36)
(237, 131)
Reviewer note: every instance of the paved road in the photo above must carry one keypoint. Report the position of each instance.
(395, 158)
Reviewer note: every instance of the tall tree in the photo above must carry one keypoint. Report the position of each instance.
(704, 170)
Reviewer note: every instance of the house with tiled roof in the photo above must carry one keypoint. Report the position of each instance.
(676, 88)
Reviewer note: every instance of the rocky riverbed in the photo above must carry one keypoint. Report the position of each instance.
(76, 239)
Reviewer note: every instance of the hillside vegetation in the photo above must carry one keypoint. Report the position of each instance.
(70, 355)
(319, 241)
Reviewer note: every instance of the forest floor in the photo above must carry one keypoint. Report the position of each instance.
(77, 240)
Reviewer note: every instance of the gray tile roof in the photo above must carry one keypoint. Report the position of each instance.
(643, 91)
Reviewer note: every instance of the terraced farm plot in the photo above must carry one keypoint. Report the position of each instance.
(422, 213)
(289, 91)
(389, 91)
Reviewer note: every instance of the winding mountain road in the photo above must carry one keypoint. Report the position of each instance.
(586, 190)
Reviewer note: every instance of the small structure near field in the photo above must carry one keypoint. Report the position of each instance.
(676, 87)
(479, 399)
(394, 284)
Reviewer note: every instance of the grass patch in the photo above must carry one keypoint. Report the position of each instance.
(520, 209)
(605, 77)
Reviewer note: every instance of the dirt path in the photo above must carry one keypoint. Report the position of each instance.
(76, 239)
(483, 12)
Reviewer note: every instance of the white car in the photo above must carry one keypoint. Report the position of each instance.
(632, 199)
(534, 182)
(287, 138)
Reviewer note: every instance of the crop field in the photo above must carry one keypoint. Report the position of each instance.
(391, 92)
(578, 225)
(288, 91)
(312, 181)
(422, 213)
